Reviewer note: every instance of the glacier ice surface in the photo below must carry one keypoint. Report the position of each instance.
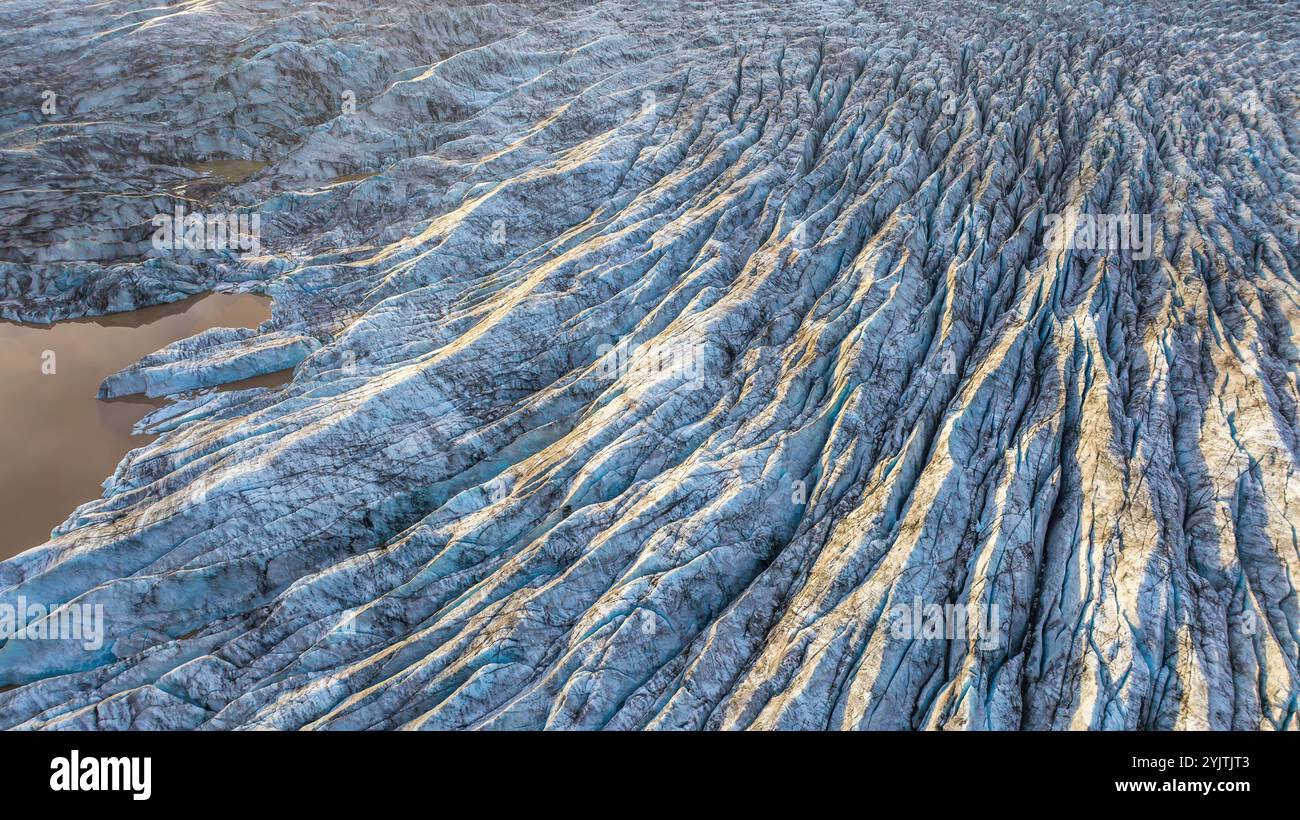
(652, 356)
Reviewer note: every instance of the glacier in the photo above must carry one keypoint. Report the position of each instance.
(650, 356)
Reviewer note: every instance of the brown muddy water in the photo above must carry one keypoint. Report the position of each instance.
(351, 178)
(216, 174)
(57, 441)
(229, 170)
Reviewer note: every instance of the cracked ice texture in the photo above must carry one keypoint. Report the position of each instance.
(459, 515)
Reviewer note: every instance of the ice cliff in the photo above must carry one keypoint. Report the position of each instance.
(653, 355)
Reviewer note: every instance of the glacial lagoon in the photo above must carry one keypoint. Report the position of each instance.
(60, 442)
